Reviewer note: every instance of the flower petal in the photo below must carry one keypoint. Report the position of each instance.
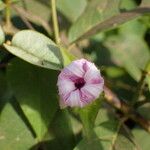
(92, 90)
(65, 86)
(74, 99)
(76, 68)
(93, 76)
(71, 94)
(86, 97)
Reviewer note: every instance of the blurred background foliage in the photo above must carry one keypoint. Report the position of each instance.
(115, 35)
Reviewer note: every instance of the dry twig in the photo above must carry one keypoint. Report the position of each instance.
(112, 99)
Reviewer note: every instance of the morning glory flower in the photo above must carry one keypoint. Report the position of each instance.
(79, 84)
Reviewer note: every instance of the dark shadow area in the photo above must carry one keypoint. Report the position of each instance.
(19, 23)
(55, 145)
(138, 2)
(130, 124)
(100, 51)
(21, 114)
(65, 23)
(3, 90)
(147, 37)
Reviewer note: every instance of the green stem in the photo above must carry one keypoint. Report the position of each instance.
(55, 21)
(87, 125)
(7, 13)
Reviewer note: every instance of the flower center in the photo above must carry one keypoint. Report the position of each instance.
(79, 83)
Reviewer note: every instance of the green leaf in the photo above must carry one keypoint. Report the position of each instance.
(145, 3)
(2, 5)
(128, 49)
(71, 9)
(107, 136)
(142, 138)
(35, 90)
(62, 130)
(112, 133)
(88, 115)
(67, 57)
(90, 144)
(2, 36)
(114, 72)
(102, 15)
(109, 133)
(115, 135)
(36, 48)
(14, 134)
(95, 12)
(144, 110)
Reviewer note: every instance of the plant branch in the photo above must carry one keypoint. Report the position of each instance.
(25, 20)
(31, 17)
(112, 99)
(55, 21)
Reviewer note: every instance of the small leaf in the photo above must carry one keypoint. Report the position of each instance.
(36, 48)
(35, 90)
(88, 115)
(14, 134)
(2, 36)
(67, 57)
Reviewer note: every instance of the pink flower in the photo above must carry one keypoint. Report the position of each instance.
(79, 84)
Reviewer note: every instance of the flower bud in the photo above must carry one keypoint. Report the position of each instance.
(79, 84)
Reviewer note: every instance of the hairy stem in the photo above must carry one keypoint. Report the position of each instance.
(55, 21)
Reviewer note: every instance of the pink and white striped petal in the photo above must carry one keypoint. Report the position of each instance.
(74, 99)
(92, 90)
(79, 84)
(76, 68)
(65, 86)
